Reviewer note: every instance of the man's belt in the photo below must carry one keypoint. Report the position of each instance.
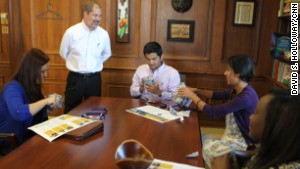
(84, 75)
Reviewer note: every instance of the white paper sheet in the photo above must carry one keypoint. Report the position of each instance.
(161, 164)
(58, 126)
(154, 113)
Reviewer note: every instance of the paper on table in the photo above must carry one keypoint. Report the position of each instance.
(153, 113)
(55, 127)
(160, 164)
(184, 113)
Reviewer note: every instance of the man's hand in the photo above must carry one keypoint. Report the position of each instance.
(153, 88)
(52, 101)
(141, 87)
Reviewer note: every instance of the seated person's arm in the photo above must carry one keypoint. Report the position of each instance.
(37, 106)
(202, 92)
(194, 93)
(189, 93)
(17, 106)
(221, 162)
(237, 159)
(137, 87)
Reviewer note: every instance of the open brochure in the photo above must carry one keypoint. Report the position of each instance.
(160, 164)
(154, 113)
(58, 126)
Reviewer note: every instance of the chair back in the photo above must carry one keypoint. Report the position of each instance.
(11, 139)
(182, 77)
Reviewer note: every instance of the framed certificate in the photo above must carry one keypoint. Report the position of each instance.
(244, 11)
(180, 31)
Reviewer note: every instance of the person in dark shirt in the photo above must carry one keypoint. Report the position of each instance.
(242, 102)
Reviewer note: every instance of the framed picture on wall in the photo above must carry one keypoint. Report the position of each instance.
(244, 12)
(123, 20)
(180, 31)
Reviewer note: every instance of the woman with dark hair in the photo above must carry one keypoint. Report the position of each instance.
(22, 103)
(275, 125)
(243, 100)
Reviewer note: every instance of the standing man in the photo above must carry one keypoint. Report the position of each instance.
(84, 47)
(154, 81)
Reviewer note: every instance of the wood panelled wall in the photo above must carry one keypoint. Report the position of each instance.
(5, 66)
(203, 61)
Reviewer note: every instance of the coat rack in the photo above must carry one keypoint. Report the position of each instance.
(45, 14)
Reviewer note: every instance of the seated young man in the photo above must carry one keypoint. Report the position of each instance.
(154, 81)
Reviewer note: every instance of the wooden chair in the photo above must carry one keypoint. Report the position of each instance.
(11, 139)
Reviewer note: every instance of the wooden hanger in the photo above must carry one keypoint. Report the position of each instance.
(43, 15)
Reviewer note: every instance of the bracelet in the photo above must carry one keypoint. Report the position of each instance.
(198, 102)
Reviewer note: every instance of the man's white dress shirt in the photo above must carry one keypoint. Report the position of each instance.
(167, 77)
(83, 50)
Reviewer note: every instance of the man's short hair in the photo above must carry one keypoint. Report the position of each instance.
(88, 6)
(153, 47)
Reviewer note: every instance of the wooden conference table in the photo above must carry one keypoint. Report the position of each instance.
(169, 141)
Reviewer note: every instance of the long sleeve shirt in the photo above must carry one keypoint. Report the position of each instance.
(83, 50)
(242, 106)
(15, 116)
(167, 77)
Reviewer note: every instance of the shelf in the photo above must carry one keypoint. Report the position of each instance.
(278, 84)
(285, 16)
(282, 67)
(280, 34)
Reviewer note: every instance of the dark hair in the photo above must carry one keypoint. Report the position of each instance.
(243, 65)
(29, 73)
(281, 135)
(88, 6)
(153, 47)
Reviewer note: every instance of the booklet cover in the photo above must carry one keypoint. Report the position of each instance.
(58, 126)
(181, 101)
(154, 113)
(162, 164)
